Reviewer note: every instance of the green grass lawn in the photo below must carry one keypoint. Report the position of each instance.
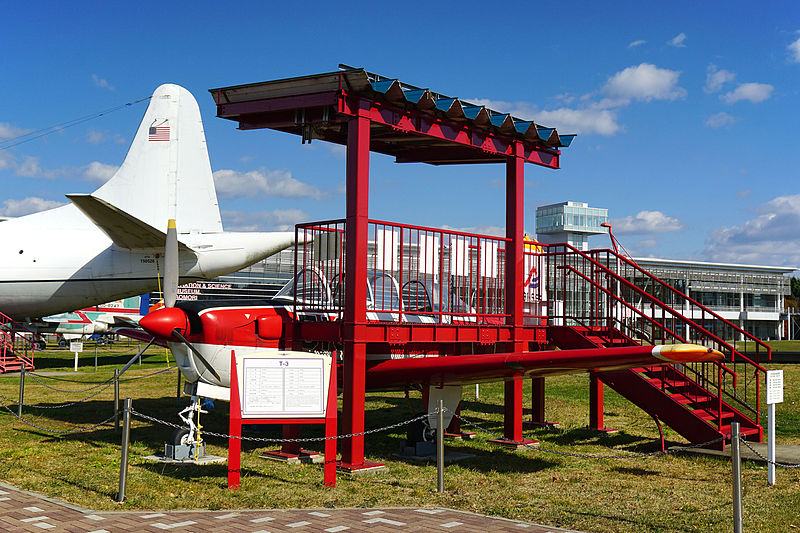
(662, 493)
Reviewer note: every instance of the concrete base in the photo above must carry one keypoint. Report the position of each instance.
(367, 467)
(205, 460)
(449, 456)
(541, 425)
(304, 457)
(608, 431)
(465, 435)
(516, 445)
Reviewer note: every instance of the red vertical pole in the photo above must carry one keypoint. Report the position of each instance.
(355, 304)
(234, 430)
(537, 401)
(515, 203)
(595, 402)
(329, 477)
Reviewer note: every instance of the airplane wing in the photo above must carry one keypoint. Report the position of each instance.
(463, 369)
(124, 229)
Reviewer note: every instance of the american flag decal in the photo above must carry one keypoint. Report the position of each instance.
(158, 133)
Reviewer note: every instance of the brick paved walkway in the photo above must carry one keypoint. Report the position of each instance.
(27, 511)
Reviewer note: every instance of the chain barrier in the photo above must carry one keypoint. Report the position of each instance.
(96, 384)
(135, 378)
(59, 406)
(55, 431)
(263, 439)
(629, 455)
(776, 463)
(779, 421)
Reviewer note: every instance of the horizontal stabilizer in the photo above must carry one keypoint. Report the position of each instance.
(124, 229)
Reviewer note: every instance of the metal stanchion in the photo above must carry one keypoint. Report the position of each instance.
(178, 393)
(95, 356)
(126, 437)
(21, 390)
(116, 399)
(736, 461)
(440, 448)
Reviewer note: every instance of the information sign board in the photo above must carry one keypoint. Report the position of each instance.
(283, 384)
(75, 346)
(774, 386)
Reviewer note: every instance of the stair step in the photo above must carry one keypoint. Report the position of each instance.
(693, 400)
(706, 415)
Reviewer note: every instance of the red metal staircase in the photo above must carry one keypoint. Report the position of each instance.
(16, 349)
(605, 299)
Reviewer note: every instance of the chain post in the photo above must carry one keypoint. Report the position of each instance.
(126, 437)
(736, 465)
(21, 390)
(116, 399)
(440, 447)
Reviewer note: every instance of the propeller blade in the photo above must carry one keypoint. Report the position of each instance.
(171, 265)
(135, 357)
(177, 334)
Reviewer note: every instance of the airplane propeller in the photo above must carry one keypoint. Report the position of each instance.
(170, 321)
(171, 292)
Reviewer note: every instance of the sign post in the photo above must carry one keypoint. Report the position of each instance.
(76, 347)
(282, 387)
(774, 395)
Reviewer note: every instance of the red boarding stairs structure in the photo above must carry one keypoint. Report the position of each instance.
(600, 298)
(16, 349)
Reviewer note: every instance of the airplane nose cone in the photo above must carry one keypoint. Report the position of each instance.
(162, 322)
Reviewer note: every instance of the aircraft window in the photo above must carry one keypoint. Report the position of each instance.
(312, 288)
(416, 297)
(384, 291)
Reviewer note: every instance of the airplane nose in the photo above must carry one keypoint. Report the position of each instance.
(162, 322)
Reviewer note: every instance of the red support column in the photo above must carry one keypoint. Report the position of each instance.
(537, 402)
(355, 303)
(596, 404)
(515, 276)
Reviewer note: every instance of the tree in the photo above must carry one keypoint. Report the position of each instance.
(796, 287)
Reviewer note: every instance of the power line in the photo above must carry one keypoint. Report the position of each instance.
(30, 136)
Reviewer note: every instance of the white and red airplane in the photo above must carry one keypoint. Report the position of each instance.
(109, 244)
(201, 335)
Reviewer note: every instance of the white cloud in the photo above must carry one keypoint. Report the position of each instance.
(794, 51)
(716, 78)
(486, 229)
(9, 131)
(565, 119)
(634, 44)
(600, 121)
(719, 120)
(231, 183)
(678, 41)
(644, 82)
(30, 168)
(276, 220)
(99, 172)
(754, 92)
(26, 206)
(645, 222)
(770, 238)
(102, 83)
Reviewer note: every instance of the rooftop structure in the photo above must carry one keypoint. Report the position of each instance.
(569, 222)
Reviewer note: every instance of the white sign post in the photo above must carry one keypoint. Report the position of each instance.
(76, 347)
(774, 395)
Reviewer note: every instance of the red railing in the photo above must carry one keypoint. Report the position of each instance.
(602, 289)
(413, 273)
(16, 342)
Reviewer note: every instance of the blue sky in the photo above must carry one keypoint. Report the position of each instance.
(686, 112)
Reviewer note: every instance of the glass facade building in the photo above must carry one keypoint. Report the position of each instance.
(570, 222)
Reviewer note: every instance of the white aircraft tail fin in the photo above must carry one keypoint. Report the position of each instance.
(167, 173)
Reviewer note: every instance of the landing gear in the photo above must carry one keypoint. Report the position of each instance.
(186, 444)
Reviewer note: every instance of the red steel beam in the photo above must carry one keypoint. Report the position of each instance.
(355, 310)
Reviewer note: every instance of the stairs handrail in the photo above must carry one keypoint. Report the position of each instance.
(651, 319)
(667, 307)
(692, 301)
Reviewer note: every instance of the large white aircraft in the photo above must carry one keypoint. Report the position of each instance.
(110, 244)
